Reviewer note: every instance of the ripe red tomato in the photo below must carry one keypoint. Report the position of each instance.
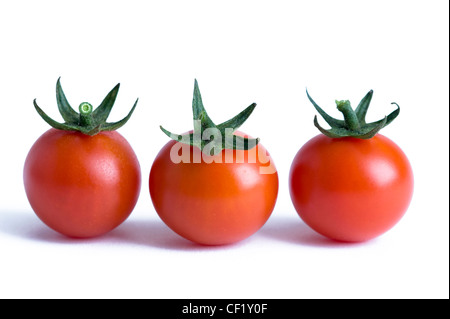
(351, 189)
(80, 185)
(210, 202)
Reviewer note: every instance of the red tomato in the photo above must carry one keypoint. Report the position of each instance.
(80, 185)
(351, 189)
(213, 203)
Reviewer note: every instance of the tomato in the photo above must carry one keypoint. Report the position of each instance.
(81, 177)
(213, 185)
(80, 185)
(350, 189)
(215, 201)
(351, 183)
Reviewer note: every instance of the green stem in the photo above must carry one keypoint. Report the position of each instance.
(86, 118)
(354, 123)
(349, 115)
(209, 137)
(88, 121)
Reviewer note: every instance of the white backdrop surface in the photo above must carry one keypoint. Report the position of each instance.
(240, 52)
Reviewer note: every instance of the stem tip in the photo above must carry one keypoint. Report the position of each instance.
(86, 108)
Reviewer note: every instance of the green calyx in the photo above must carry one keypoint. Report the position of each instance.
(212, 138)
(354, 123)
(88, 121)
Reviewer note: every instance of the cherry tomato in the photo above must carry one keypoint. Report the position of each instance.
(351, 189)
(212, 202)
(80, 185)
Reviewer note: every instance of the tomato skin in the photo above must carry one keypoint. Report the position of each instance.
(212, 203)
(349, 189)
(82, 186)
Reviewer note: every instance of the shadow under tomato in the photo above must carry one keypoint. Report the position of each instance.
(28, 226)
(134, 231)
(152, 233)
(293, 230)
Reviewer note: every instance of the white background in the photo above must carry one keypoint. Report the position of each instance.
(241, 52)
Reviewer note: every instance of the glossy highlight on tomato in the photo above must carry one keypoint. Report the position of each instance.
(79, 185)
